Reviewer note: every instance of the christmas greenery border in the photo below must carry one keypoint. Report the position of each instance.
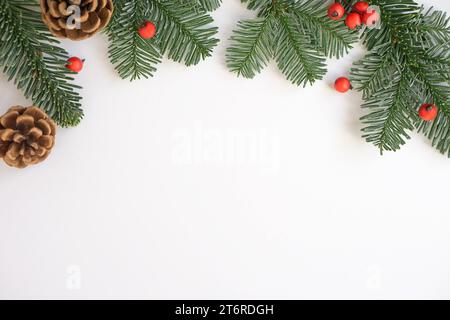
(32, 58)
(406, 66)
(184, 34)
(297, 34)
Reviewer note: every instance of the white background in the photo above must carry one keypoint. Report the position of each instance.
(198, 184)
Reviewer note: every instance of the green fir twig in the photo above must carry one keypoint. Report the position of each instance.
(31, 57)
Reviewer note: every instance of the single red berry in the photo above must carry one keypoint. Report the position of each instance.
(370, 18)
(75, 64)
(148, 30)
(353, 20)
(336, 11)
(342, 85)
(428, 111)
(361, 7)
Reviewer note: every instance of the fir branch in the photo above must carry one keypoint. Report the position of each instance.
(413, 48)
(397, 16)
(371, 73)
(184, 33)
(132, 56)
(209, 5)
(202, 5)
(252, 46)
(331, 38)
(29, 56)
(296, 57)
(297, 33)
(257, 4)
(433, 28)
(434, 88)
(389, 117)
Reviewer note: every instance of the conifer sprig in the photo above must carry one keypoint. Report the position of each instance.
(184, 33)
(296, 33)
(30, 56)
(133, 56)
(209, 5)
(408, 64)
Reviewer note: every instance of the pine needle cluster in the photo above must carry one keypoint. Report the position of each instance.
(296, 33)
(184, 34)
(407, 65)
(31, 57)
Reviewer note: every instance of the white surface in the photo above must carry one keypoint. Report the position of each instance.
(294, 205)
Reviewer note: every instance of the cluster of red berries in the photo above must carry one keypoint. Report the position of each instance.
(361, 14)
(146, 31)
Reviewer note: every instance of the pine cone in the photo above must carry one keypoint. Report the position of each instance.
(76, 19)
(27, 136)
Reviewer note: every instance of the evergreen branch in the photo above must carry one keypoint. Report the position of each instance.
(30, 57)
(203, 5)
(435, 90)
(412, 48)
(433, 28)
(389, 119)
(257, 4)
(330, 37)
(183, 31)
(209, 5)
(132, 56)
(297, 33)
(252, 46)
(296, 57)
(373, 71)
(397, 17)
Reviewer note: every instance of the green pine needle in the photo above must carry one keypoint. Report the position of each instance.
(257, 4)
(209, 5)
(252, 46)
(298, 34)
(332, 38)
(389, 118)
(183, 33)
(132, 56)
(297, 58)
(30, 57)
(408, 64)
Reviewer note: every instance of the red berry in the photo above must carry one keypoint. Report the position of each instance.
(75, 64)
(361, 7)
(353, 20)
(148, 30)
(370, 18)
(428, 111)
(342, 85)
(336, 11)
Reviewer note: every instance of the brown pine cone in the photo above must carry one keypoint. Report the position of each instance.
(76, 19)
(27, 136)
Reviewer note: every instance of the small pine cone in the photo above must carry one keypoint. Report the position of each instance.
(27, 136)
(76, 19)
